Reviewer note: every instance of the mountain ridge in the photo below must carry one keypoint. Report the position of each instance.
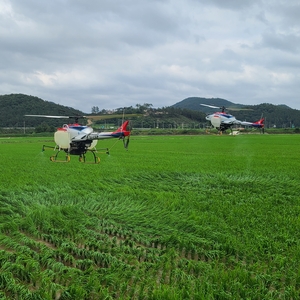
(195, 104)
(14, 107)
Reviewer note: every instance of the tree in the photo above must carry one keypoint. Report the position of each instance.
(95, 110)
(44, 127)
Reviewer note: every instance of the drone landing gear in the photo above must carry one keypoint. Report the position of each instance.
(82, 153)
(55, 157)
(82, 158)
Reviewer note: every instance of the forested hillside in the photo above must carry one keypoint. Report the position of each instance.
(13, 108)
(188, 113)
(194, 103)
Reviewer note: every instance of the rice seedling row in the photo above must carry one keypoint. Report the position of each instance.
(187, 217)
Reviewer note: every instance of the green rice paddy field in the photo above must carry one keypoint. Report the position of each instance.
(175, 217)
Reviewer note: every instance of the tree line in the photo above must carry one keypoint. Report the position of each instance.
(14, 107)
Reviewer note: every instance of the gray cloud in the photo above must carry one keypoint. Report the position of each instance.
(121, 53)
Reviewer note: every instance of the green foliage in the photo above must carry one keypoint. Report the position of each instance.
(174, 217)
(187, 114)
(44, 127)
(15, 106)
(275, 115)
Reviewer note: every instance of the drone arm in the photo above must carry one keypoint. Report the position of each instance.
(88, 137)
(259, 124)
(99, 136)
(121, 132)
(244, 123)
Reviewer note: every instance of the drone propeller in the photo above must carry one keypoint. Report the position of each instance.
(223, 108)
(211, 106)
(127, 138)
(91, 117)
(53, 117)
(76, 118)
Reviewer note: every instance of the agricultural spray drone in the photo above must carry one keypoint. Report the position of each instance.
(223, 121)
(76, 139)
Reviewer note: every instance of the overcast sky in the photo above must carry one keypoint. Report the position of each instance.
(116, 53)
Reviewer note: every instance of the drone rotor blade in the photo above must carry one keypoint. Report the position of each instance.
(127, 138)
(227, 108)
(75, 118)
(211, 106)
(46, 116)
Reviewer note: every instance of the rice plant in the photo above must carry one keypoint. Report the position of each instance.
(185, 217)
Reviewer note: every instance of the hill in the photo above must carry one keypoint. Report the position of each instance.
(187, 113)
(194, 103)
(15, 106)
